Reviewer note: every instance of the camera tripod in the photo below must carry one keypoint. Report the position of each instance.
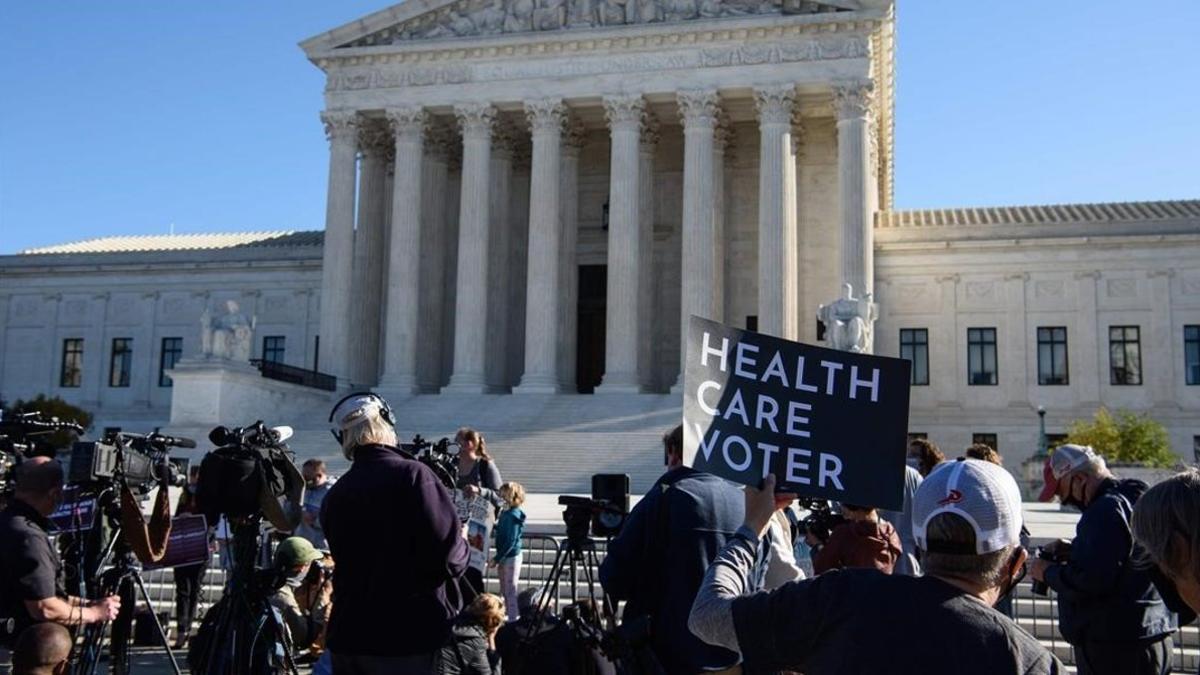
(122, 579)
(243, 634)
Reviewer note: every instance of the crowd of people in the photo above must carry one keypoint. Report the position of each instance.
(384, 570)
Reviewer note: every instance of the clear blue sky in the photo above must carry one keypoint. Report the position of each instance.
(124, 117)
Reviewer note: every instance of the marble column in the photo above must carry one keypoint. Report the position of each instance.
(546, 117)
(499, 263)
(338, 251)
(367, 295)
(1161, 342)
(431, 334)
(777, 264)
(1016, 338)
(568, 204)
(471, 292)
(404, 282)
(698, 110)
(624, 114)
(646, 309)
(1088, 355)
(853, 103)
(722, 136)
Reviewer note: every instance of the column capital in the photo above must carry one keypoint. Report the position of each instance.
(407, 122)
(475, 119)
(440, 140)
(853, 98)
(339, 124)
(373, 138)
(650, 135)
(698, 108)
(624, 112)
(774, 104)
(574, 136)
(546, 115)
(723, 134)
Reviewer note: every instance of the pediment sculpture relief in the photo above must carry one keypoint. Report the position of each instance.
(471, 18)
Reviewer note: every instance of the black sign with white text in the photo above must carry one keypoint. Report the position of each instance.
(827, 423)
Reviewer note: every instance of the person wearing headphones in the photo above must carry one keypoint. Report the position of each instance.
(394, 531)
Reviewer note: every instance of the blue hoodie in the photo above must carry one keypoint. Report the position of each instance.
(508, 534)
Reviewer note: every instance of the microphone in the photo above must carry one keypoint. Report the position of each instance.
(171, 441)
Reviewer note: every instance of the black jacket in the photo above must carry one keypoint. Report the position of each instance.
(465, 652)
(1103, 595)
(658, 560)
(394, 531)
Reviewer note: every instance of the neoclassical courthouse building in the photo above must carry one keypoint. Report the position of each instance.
(527, 198)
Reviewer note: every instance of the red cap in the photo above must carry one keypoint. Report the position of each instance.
(1051, 487)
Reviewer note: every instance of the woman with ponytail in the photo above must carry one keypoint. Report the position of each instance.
(479, 484)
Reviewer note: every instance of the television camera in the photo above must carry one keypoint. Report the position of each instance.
(820, 521)
(136, 461)
(19, 436)
(438, 456)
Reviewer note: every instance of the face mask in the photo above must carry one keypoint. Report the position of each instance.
(1069, 500)
(1013, 579)
(297, 579)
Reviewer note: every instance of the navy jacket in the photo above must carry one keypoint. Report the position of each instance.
(1103, 595)
(394, 533)
(658, 560)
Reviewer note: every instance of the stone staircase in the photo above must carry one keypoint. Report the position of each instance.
(550, 444)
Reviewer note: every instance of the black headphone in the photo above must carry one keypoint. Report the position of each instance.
(385, 411)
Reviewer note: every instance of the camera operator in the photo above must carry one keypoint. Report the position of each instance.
(966, 520)
(537, 642)
(394, 531)
(657, 561)
(293, 559)
(1108, 607)
(32, 587)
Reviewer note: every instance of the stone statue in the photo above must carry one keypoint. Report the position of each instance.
(550, 15)
(491, 19)
(519, 17)
(849, 321)
(649, 11)
(229, 336)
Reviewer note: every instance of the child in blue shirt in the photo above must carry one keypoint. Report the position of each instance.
(508, 545)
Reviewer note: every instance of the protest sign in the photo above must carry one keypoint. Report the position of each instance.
(476, 513)
(187, 544)
(827, 423)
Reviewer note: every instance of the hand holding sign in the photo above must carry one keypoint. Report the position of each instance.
(825, 423)
(761, 505)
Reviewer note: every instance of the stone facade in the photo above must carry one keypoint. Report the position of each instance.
(519, 191)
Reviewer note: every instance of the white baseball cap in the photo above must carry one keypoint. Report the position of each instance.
(355, 410)
(981, 493)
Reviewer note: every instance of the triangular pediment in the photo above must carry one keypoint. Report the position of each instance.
(421, 20)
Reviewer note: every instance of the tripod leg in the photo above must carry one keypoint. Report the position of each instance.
(162, 635)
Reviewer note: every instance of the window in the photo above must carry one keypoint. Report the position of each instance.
(981, 356)
(72, 363)
(1052, 355)
(172, 350)
(986, 439)
(752, 322)
(1191, 353)
(1124, 355)
(914, 346)
(273, 347)
(122, 360)
(316, 353)
(1196, 448)
(820, 330)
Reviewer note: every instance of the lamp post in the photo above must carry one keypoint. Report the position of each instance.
(1043, 450)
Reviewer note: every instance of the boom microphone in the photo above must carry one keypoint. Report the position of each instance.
(171, 441)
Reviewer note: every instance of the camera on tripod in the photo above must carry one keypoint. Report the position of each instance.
(131, 459)
(19, 438)
(247, 461)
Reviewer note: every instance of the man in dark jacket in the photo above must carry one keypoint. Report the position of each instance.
(657, 561)
(1108, 607)
(394, 531)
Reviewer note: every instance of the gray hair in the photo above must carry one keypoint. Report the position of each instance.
(373, 429)
(1166, 522)
(988, 570)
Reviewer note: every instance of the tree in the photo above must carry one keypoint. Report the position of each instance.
(1126, 437)
(52, 407)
